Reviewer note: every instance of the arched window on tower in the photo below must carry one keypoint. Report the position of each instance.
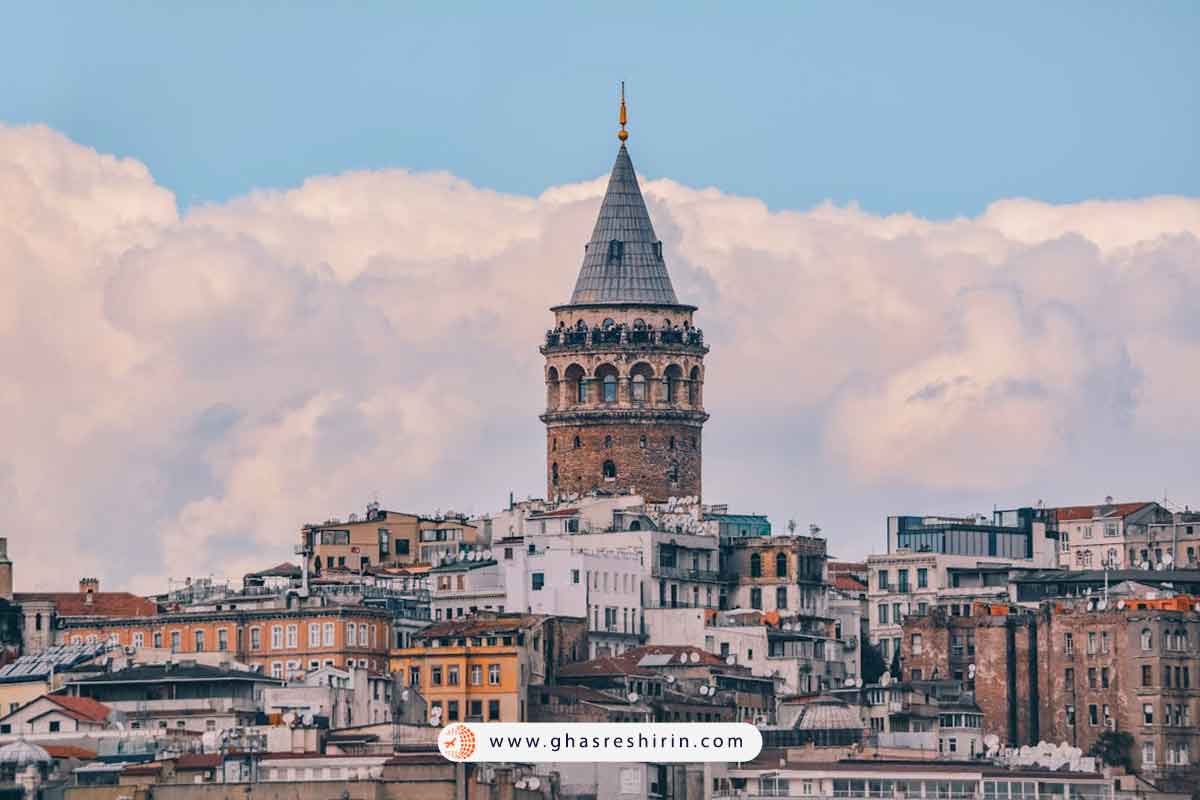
(755, 565)
(607, 375)
(610, 470)
(642, 441)
(674, 376)
(781, 565)
(671, 446)
(576, 383)
(552, 388)
(694, 387)
(554, 473)
(607, 441)
(577, 443)
(640, 376)
(673, 472)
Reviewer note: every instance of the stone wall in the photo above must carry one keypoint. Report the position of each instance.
(642, 466)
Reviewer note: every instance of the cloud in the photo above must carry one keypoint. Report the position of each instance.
(182, 392)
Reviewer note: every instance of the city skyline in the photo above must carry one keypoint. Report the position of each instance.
(198, 373)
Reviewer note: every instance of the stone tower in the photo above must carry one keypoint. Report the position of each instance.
(624, 363)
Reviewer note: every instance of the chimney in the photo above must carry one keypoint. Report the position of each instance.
(6, 575)
(88, 587)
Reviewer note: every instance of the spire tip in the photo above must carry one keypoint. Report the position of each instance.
(623, 117)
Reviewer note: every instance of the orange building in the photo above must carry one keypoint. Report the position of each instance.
(480, 667)
(382, 537)
(282, 642)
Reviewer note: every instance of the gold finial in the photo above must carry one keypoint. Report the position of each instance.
(623, 134)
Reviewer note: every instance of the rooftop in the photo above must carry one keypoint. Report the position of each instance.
(179, 671)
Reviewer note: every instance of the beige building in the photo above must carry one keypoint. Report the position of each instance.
(1113, 535)
(382, 537)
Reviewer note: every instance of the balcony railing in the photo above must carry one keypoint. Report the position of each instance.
(687, 574)
(566, 338)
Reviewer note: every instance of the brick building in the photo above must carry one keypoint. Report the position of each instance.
(624, 364)
(1074, 669)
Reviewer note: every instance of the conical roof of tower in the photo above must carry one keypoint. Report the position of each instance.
(634, 270)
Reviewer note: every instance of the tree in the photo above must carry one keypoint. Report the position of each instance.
(872, 663)
(1114, 748)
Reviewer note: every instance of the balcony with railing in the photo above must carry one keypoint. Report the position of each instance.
(687, 574)
(624, 336)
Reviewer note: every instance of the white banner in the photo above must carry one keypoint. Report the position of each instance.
(660, 742)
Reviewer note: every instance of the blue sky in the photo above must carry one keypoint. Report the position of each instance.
(935, 108)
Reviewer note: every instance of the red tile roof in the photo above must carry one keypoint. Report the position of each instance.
(81, 708)
(103, 604)
(627, 663)
(1115, 510)
(198, 761)
(848, 583)
(68, 751)
(480, 626)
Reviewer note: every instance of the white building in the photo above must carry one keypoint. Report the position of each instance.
(1110, 534)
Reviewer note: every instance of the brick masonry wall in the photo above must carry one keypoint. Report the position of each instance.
(641, 469)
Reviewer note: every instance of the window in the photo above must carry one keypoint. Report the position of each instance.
(314, 634)
(1147, 754)
(158, 639)
(277, 637)
(756, 597)
(351, 635)
(1091, 642)
(610, 392)
(882, 580)
(176, 641)
(576, 443)
(616, 249)
(255, 638)
(452, 710)
(574, 576)
(1069, 677)
(902, 579)
(755, 565)
(414, 676)
(139, 639)
(1091, 673)
(277, 669)
(780, 597)
(916, 644)
(1147, 640)
(673, 472)
(922, 578)
(642, 442)
(1093, 714)
(327, 634)
(452, 675)
(55, 726)
(493, 674)
(608, 441)
(1147, 713)
(493, 709)
(293, 636)
(362, 635)
(435, 676)
(222, 639)
(476, 675)
(883, 613)
(1104, 677)
(1070, 715)
(609, 470)
(1068, 643)
(781, 565)
(537, 580)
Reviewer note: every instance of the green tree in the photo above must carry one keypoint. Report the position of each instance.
(1114, 748)
(872, 663)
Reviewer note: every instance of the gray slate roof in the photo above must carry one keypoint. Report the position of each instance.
(639, 274)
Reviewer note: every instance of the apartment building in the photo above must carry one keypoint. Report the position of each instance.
(1174, 544)
(463, 586)
(282, 641)
(481, 667)
(951, 563)
(1108, 534)
(382, 537)
(1075, 669)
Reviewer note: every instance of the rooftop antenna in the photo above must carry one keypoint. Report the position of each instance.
(623, 117)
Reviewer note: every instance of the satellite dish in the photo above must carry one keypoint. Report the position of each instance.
(683, 658)
(533, 783)
(730, 660)
(670, 679)
(885, 679)
(1168, 559)
(487, 555)
(519, 784)
(971, 671)
(1102, 605)
(849, 682)
(633, 697)
(1121, 604)
(694, 657)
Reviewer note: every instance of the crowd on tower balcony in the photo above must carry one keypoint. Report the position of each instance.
(621, 333)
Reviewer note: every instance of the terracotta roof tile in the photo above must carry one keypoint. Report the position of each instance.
(82, 708)
(103, 604)
(1116, 511)
(848, 583)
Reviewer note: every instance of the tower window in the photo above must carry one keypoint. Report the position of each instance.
(610, 388)
(673, 472)
(608, 441)
(658, 250)
(642, 442)
(554, 473)
(610, 470)
(616, 250)
(577, 444)
(693, 442)
(553, 444)
(672, 444)
(638, 389)
(581, 391)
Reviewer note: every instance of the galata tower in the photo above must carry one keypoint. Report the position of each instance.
(624, 362)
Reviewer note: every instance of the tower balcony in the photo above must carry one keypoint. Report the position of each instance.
(624, 337)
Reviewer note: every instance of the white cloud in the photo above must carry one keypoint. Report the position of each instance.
(182, 393)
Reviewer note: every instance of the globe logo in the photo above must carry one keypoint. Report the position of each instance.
(457, 742)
